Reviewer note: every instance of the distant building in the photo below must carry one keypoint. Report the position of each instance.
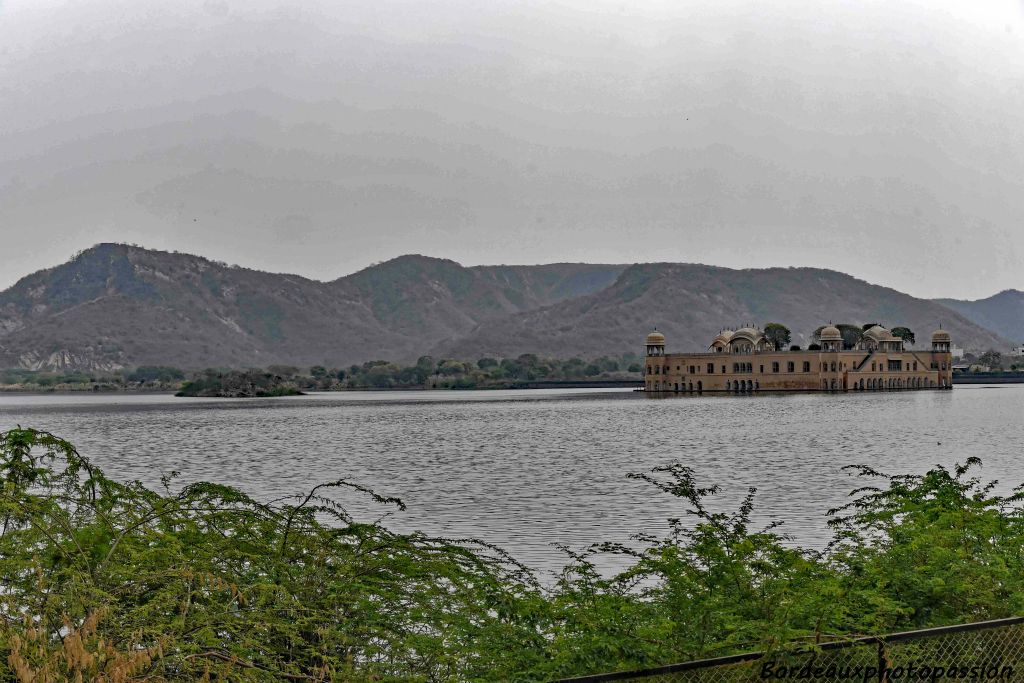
(956, 351)
(1017, 350)
(745, 361)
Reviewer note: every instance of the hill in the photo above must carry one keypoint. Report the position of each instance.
(690, 303)
(115, 305)
(1002, 313)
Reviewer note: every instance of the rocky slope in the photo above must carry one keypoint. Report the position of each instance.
(115, 305)
(690, 303)
(1002, 313)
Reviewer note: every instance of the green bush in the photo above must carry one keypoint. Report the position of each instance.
(102, 577)
(106, 579)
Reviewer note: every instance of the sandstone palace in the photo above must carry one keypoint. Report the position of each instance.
(746, 361)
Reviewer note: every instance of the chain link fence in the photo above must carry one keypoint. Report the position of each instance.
(983, 651)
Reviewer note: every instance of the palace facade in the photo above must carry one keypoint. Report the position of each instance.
(745, 360)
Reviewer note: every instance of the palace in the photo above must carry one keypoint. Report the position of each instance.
(746, 361)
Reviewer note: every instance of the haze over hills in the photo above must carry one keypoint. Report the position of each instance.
(116, 306)
(691, 303)
(1002, 313)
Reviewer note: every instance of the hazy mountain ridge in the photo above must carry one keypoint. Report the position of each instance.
(118, 306)
(691, 303)
(115, 305)
(434, 297)
(1002, 313)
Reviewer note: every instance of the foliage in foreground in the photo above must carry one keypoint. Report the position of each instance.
(107, 581)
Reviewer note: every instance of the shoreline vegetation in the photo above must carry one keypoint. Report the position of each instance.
(426, 373)
(525, 371)
(101, 579)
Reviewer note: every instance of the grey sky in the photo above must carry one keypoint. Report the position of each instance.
(884, 139)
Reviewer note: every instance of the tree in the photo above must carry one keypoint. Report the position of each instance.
(904, 333)
(992, 358)
(485, 363)
(285, 371)
(529, 359)
(318, 371)
(155, 373)
(867, 326)
(852, 335)
(450, 367)
(778, 334)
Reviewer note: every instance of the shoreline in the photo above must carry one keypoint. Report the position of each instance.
(987, 378)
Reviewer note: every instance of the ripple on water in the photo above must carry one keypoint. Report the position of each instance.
(528, 469)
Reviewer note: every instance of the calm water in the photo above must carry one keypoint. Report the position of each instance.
(528, 469)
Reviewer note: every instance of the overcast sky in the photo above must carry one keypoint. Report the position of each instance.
(883, 139)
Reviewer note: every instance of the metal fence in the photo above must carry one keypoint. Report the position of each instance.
(983, 651)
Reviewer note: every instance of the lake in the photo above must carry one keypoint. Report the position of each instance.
(527, 469)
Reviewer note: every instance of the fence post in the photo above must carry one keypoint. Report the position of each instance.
(881, 661)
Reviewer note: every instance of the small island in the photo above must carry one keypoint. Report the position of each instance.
(239, 384)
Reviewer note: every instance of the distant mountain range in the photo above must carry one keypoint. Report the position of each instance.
(115, 306)
(1003, 313)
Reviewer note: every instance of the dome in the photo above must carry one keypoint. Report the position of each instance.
(751, 333)
(723, 337)
(831, 333)
(655, 339)
(878, 333)
(940, 336)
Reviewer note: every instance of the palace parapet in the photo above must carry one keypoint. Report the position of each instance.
(745, 360)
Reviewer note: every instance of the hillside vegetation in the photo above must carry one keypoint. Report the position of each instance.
(116, 306)
(691, 303)
(1003, 313)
